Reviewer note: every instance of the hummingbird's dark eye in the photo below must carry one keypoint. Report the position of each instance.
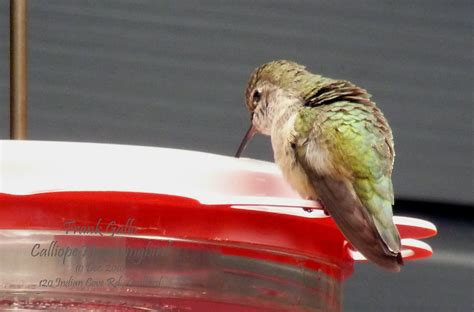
(256, 96)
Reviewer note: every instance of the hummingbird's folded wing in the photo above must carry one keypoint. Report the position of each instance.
(364, 221)
(351, 216)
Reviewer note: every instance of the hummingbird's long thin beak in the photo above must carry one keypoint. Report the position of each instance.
(248, 136)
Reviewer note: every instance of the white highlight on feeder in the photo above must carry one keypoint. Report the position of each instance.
(413, 222)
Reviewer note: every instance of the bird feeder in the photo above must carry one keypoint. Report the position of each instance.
(102, 226)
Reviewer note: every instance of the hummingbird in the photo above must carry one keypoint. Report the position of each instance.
(333, 145)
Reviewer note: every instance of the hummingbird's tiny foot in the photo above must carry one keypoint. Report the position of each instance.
(308, 209)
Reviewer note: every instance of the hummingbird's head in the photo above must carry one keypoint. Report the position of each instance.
(270, 85)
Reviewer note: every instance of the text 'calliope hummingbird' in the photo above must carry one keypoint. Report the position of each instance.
(333, 145)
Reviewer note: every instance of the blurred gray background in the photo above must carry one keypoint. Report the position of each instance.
(172, 73)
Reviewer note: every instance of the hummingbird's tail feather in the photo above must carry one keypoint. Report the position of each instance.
(389, 234)
(354, 221)
(378, 199)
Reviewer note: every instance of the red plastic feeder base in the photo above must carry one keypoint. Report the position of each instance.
(97, 227)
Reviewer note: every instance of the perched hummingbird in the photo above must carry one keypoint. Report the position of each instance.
(333, 145)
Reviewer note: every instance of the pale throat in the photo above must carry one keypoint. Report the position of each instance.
(281, 109)
(280, 105)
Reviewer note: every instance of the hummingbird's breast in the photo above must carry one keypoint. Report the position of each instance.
(282, 137)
